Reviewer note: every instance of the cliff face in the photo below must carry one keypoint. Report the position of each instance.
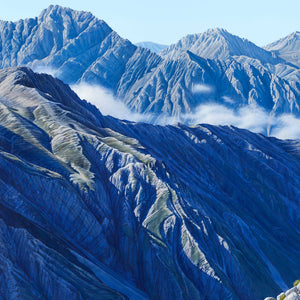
(94, 207)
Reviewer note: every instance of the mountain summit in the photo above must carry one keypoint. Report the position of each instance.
(52, 38)
(69, 43)
(219, 44)
(288, 48)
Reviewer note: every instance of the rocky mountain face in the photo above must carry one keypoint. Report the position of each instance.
(70, 43)
(287, 48)
(92, 207)
(177, 87)
(219, 44)
(211, 67)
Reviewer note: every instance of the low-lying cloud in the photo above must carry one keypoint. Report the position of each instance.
(45, 69)
(248, 117)
(104, 100)
(201, 89)
(251, 117)
(228, 100)
(287, 126)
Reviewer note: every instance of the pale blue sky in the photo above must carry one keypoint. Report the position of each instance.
(164, 21)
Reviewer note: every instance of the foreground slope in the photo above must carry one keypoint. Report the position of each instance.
(95, 207)
(77, 47)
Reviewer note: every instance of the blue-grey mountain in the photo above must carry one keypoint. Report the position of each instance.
(92, 207)
(220, 44)
(288, 48)
(78, 47)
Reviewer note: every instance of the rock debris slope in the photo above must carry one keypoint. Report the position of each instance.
(78, 47)
(92, 207)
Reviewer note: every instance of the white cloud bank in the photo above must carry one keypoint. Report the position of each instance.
(287, 126)
(45, 69)
(253, 118)
(104, 100)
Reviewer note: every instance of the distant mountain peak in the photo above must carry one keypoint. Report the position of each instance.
(287, 47)
(218, 43)
(59, 8)
(58, 13)
(296, 34)
(280, 42)
(293, 36)
(216, 30)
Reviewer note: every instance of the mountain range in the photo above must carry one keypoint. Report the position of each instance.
(92, 207)
(77, 47)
